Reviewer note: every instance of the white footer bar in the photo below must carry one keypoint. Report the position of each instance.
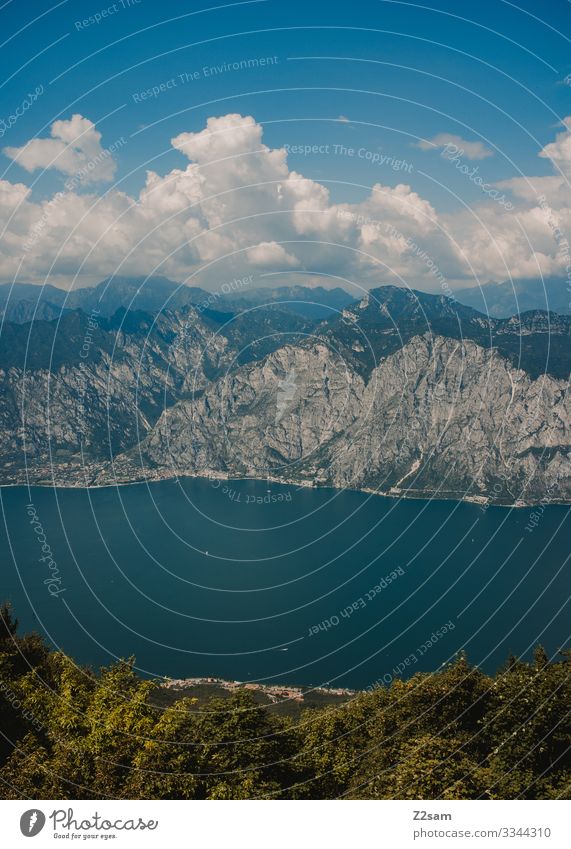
(287, 825)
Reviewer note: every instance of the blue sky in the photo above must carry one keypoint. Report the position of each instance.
(398, 72)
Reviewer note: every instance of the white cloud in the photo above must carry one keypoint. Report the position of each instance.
(12, 195)
(556, 190)
(559, 151)
(469, 149)
(270, 255)
(222, 138)
(236, 207)
(74, 148)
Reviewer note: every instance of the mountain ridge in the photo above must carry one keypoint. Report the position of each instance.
(22, 302)
(398, 393)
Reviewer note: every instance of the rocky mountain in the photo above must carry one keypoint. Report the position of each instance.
(79, 390)
(390, 316)
(401, 393)
(436, 417)
(82, 388)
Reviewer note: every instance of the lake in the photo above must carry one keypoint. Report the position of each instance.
(251, 580)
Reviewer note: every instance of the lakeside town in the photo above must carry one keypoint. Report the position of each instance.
(92, 475)
(276, 693)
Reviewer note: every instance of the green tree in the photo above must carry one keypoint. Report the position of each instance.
(456, 734)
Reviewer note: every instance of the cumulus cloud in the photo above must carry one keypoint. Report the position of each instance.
(223, 138)
(235, 206)
(74, 148)
(469, 149)
(270, 255)
(559, 151)
(553, 190)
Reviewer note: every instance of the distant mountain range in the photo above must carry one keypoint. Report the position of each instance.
(512, 297)
(401, 392)
(23, 302)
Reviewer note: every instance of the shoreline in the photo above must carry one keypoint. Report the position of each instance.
(395, 493)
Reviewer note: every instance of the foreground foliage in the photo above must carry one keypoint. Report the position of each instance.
(67, 733)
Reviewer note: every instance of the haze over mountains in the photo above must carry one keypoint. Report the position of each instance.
(514, 296)
(400, 392)
(21, 302)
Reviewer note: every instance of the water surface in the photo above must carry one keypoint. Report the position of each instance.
(255, 581)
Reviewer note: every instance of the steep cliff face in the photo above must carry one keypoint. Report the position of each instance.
(439, 416)
(402, 393)
(85, 388)
(453, 418)
(274, 416)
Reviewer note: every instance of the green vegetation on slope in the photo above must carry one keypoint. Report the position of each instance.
(67, 733)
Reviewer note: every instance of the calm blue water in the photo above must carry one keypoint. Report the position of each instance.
(135, 579)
